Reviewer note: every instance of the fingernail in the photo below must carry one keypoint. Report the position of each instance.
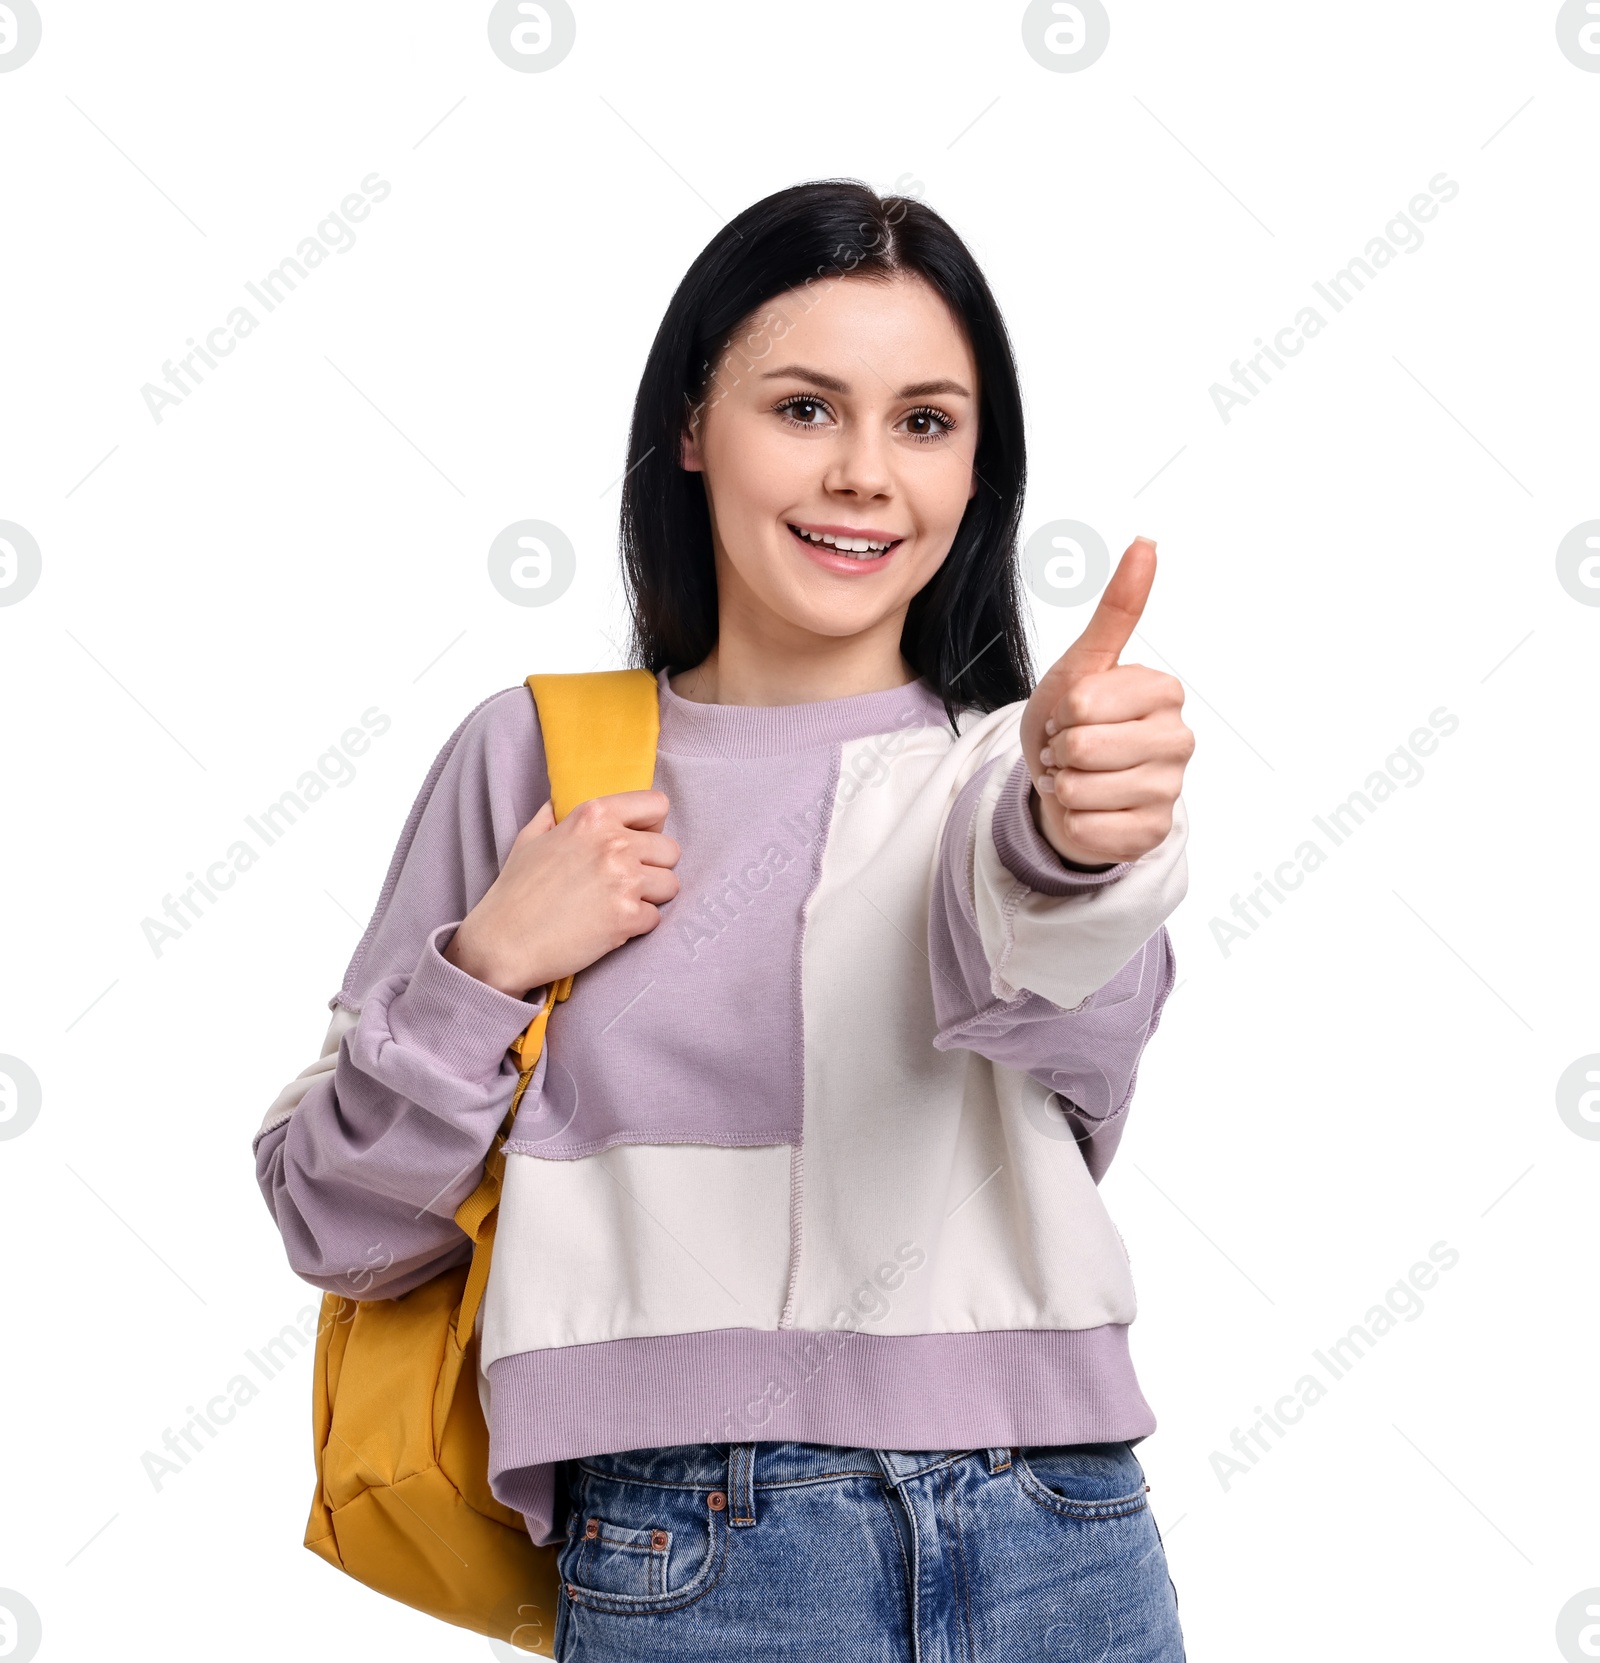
(1150, 540)
(1049, 724)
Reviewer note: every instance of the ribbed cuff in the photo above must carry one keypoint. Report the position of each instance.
(1024, 851)
(464, 1023)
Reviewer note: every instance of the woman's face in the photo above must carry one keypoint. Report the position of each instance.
(844, 414)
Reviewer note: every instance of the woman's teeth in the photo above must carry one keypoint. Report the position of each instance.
(858, 546)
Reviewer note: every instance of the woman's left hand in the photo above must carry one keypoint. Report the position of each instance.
(1104, 742)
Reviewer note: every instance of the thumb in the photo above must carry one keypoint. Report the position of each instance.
(542, 822)
(1122, 603)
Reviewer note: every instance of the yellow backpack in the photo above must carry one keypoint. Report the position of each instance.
(402, 1500)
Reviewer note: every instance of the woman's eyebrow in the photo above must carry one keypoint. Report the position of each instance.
(917, 389)
(932, 389)
(800, 373)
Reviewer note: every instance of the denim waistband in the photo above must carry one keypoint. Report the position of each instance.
(739, 1470)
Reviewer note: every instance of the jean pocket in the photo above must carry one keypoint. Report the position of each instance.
(641, 1547)
(1083, 1481)
(619, 1560)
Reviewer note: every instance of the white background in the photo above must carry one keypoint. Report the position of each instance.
(1373, 537)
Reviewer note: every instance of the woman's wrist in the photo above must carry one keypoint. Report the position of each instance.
(467, 954)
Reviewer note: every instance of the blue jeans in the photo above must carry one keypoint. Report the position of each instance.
(739, 1552)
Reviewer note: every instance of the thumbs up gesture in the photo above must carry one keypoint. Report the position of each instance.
(1104, 742)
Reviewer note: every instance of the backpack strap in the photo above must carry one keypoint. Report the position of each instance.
(599, 729)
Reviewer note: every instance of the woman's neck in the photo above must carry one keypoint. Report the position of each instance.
(735, 674)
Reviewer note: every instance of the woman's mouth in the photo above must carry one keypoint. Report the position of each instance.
(844, 548)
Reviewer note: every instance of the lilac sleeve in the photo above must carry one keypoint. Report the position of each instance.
(1087, 1052)
(365, 1156)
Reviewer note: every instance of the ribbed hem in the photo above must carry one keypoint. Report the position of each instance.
(464, 1023)
(1024, 851)
(689, 728)
(835, 1386)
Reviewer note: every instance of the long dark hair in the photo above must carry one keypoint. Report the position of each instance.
(964, 628)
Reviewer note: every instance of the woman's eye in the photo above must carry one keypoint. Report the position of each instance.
(928, 424)
(804, 412)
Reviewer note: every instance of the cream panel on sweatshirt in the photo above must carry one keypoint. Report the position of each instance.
(1066, 946)
(638, 1239)
(939, 1148)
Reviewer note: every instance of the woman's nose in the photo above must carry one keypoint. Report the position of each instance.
(859, 466)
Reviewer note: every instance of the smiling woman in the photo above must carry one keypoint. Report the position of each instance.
(806, 1332)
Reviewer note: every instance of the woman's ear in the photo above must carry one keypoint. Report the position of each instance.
(690, 458)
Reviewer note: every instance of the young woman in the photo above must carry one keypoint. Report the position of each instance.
(807, 1331)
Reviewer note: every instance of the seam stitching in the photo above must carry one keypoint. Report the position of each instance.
(796, 1190)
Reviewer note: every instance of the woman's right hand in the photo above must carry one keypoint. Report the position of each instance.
(570, 893)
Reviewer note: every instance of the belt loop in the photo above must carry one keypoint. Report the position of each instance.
(999, 1460)
(741, 1484)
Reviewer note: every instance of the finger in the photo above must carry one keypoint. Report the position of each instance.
(1112, 792)
(656, 849)
(657, 885)
(1120, 834)
(1123, 693)
(542, 822)
(1160, 736)
(1118, 613)
(643, 810)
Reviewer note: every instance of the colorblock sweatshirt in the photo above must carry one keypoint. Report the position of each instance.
(816, 1158)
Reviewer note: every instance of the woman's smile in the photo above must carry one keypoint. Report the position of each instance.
(842, 548)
